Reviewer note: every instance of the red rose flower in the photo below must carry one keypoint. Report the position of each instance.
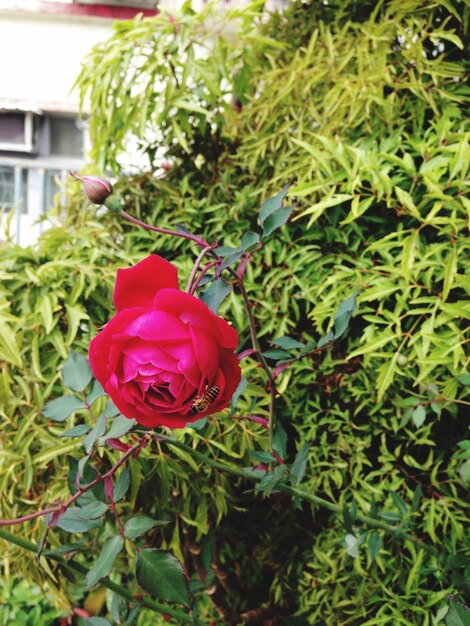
(165, 359)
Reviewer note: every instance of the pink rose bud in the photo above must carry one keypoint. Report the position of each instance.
(96, 188)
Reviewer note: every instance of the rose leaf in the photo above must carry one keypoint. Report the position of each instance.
(161, 574)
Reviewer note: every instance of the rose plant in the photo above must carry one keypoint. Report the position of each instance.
(165, 359)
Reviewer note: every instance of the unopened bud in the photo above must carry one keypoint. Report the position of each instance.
(96, 188)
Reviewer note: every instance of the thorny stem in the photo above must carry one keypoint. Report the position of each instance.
(300, 494)
(179, 616)
(64, 506)
(203, 272)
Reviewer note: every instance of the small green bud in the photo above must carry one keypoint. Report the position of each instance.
(113, 204)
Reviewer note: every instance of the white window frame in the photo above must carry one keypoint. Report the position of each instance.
(28, 146)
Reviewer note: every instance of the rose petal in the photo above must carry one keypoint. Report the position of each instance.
(196, 314)
(137, 285)
(155, 326)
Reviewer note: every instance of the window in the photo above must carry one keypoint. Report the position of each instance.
(51, 187)
(16, 131)
(13, 188)
(65, 137)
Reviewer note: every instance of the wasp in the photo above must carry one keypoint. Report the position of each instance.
(203, 402)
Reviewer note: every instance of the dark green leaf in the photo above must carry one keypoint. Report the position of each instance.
(96, 432)
(242, 385)
(72, 523)
(287, 343)
(96, 621)
(137, 526)
(230, 260)
(399, 503)
(374, 544)
(94, 510)
(118, 608)
(276, 354)
(416, 498)
(214, 295)
(276, 220)
(279, 441)
(228, 251)
(60, 408)
(249, 239)
(389, 516)
(343, 315)
(133, 613)
(76, 431)
(198, 425)
(464, 379)
(458, 615)
(262, 457)
(76, 372)
(326, 339)
(272, 205)
(111, 548)
(299, 466)
(121, 486)
(161, 574)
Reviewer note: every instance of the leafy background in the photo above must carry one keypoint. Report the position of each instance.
(359, 107)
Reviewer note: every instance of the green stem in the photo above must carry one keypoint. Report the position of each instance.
(180, 617)
(302, 495)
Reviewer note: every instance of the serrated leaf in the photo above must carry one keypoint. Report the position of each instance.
(72, 523)
(96, 432)
(299, 466)
(419, 415)
(121, 485)
(458, 615)
(76, 372)
(60, 408)
(137, 526)
(76, 431)
(161, 574)
(272, 204)
(94, 510)
(104, 563)
(214, 295)
(276, 220)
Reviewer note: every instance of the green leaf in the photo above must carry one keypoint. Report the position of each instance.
(76, 431)
(121, 425)
(279, 441)
(464, 472)
(399, 502)
(276, 354)
(249, 239)
(458, 615)
(121, 486)
(276, 220)
(272, 205)
(386, 375)
(96, 432)
(214, 295)
(352, 544)
(299, 466)
(374, 544)
(242, 385)
(161, 574)
(111, 548)
(287, 343)
(72, 522)
(76, 372)
(110, 410)
(9, 346)
(343, 314)
(464, 379)
(96, 621)
(96, 392)
(419, 415)
(94, 510)
(261, 457)
(60, 408)
(137, 526)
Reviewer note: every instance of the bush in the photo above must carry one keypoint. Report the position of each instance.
(360, 109)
